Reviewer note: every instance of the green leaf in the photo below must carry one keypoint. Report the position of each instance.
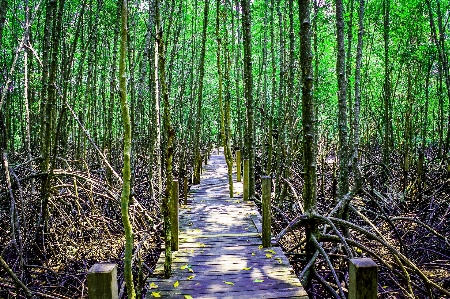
(229, 283)
(176, 284)
(253, 253)
(156, 294)
(258, 280)
(247, 268)
(184, 267)
(153, 285)
(188, 297)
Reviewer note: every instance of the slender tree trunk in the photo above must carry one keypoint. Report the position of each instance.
(348, 67)
(197, 154)
(309, 130)
(170, 133)
(273, 94)
(387, 83)
(3, 9)
(343, 153)
(126, 172)
(223, 110)
(26, 91)
(248, 93)
(357, 105)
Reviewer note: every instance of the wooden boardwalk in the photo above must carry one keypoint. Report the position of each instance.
(220, 254)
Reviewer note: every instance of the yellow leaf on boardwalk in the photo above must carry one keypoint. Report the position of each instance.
(156, 294)
(258, 280)
(229, 283)
(190, 277)
(269, 256)
(260, 247)
(279, 260)
(270, 251)
(176, 284)
(153, 285)
(247, 268)
(184, 267)
(188, 297)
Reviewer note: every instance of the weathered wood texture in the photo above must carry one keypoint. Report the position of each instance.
(363, 279)
(220, 253)
(102, 281)
(238, 165)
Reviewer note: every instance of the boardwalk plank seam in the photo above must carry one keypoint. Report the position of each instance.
(220, 254)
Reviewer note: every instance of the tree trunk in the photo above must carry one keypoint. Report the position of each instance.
(3, 9)
(126, 172)
(387, 84)
(309, 130)
(197, 154)
(248, 93)
(170, 133)
(342, 102)
(357, 105)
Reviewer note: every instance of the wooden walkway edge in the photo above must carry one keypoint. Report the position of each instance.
(220, 254)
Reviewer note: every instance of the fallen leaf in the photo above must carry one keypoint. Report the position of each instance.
(184, 267)
(156, 294)
(247, 268)
(268, 255)
(153, 285)
(188, 297)
(190, 277)
(271, 251)
(260, 247)
(176, 284)
(229, 283)
(279, 260)
(258, 280)
(253, 253)
(190, 270)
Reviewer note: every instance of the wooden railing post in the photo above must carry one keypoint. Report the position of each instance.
(363, 279)
(246, 179)
(185, 190)
(266, 215)
(238, 165)
(174, 214)
(102, 281)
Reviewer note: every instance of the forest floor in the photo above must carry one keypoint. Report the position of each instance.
(84, 224)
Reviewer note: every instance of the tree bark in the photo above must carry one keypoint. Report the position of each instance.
(248, 93)
(170, 134)
(309, 130)
(357, 105)
(126, 172)
(342, 102)
(197, 154)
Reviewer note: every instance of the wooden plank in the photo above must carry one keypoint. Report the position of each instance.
(220, 241)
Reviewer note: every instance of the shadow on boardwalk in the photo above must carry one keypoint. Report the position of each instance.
(220, 254)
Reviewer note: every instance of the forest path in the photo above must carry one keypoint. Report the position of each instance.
(219, 254)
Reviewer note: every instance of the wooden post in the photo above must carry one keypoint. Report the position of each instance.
(185, 190)
(246, 179)
(102, 281)
(174, 215)
(266, 215)
(363, 279)
(238, 165)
